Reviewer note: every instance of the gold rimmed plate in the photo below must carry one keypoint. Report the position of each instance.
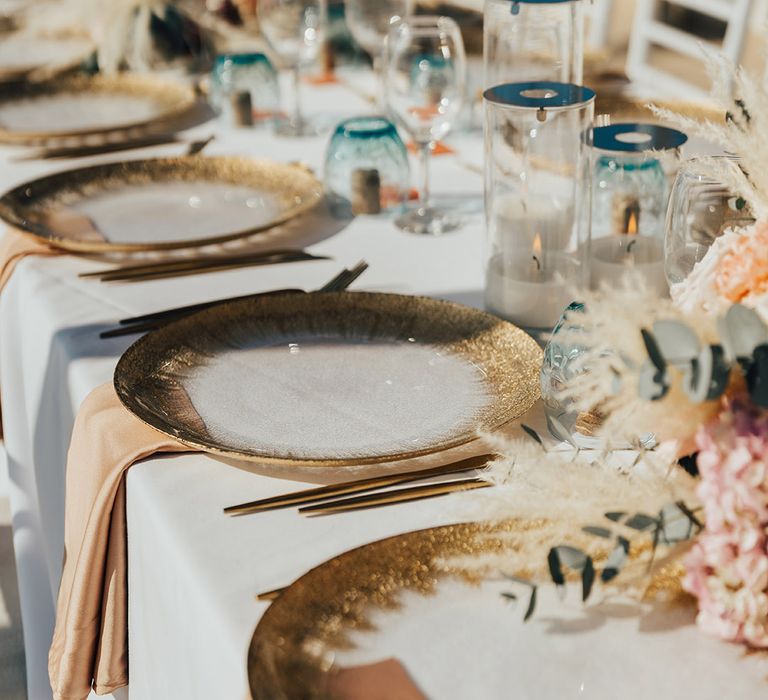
(330, 379)
(159, 204)
(28, 56)
(445, 604)
(82, 105)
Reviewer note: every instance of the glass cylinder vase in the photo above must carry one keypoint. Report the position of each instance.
(537, 199)
(630, 163)
(526, 40)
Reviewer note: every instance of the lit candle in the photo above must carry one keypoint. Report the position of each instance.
(613, 256)
(530, 289)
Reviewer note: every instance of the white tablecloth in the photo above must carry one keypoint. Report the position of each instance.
(193, 572)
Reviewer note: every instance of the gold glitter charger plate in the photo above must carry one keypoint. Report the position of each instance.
(335, 379)
(158, 204)
(80, 105)
(29, 56)
(443, 603)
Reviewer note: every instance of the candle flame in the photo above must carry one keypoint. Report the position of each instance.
(632, 224)
(537, 246)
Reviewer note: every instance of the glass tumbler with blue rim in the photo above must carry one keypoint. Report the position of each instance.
(253, 73)
(366, 144)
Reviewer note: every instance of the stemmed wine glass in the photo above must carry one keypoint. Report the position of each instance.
(295, 29)
(369, 22)
(425, 79)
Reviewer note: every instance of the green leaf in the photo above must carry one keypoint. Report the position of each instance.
(532, 433)
(615, 515)
(555, 568)
(509, 596)
(531, 604)
(587, 578)
(641, 522)
(597, 531)
(652, 348)
(616, 560)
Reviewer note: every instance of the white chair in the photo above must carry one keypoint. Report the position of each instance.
(648, 30)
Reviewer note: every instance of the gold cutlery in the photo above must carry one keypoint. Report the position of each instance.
(85, 150)
(149, 322)
(358, 486)
(270, 595)
(388, 498)
(208, 263)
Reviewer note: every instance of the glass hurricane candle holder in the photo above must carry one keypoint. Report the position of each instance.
(366, 145)
(629, 201)
(237, 74)
(527, 40)
(537, 199)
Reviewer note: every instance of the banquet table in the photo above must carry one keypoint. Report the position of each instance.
(194, 573)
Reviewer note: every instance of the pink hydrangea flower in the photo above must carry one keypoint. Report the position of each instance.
(727, 569)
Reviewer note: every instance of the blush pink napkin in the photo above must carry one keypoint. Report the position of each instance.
(14, 247)
(90, 640)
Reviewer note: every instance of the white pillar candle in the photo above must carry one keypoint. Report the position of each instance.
(531, 215)
(613, 256)
(530, 292)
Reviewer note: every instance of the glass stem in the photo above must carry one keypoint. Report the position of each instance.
(378, 71)
(298, 116)
(424, 195)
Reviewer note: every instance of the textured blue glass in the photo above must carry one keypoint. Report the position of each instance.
(366, 143)
(245, 72)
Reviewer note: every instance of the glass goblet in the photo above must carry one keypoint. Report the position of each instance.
(369, 22)
(425, 78)
(295, 29)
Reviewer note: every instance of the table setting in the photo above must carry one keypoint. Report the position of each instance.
(356, 355)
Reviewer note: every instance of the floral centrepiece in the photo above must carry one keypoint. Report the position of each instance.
(727, 569)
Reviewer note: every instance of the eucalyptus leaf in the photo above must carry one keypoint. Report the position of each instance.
(555, 568)
(509, 596)
(615, 515)
(757, 376)
(741, 331)
(676, 342)
(532, 433)
(676, 524)
(531, 604)
(641, 522)
(616, 560)
(597, 531)
(653, 384)
(587, 578)
(571, 557)
(653, 350)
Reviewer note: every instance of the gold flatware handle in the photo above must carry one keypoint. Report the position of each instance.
(407, 495)
(357, 486)
(169, 267)
(153, 321)
(270, 595)
(83, 151)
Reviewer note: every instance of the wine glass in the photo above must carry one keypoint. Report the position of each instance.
(700, 210)
(425, 78)
(369, 22)
(295, 29)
